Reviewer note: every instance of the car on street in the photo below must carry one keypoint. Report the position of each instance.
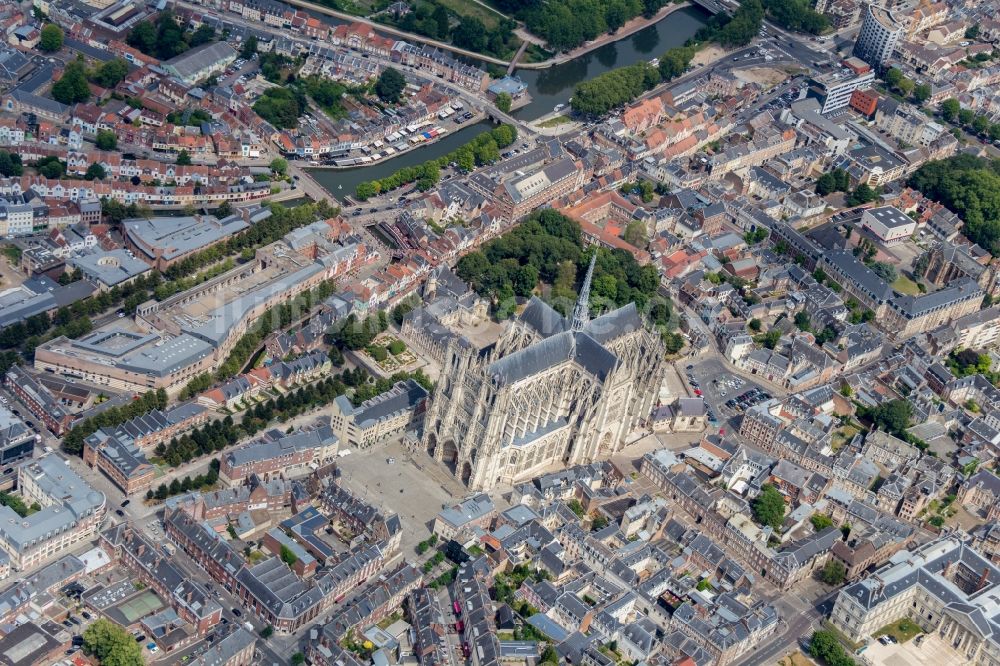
(237, 612)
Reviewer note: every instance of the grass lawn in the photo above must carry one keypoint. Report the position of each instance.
(555, 122)
(902, 630)
(843, 436)
(905, 285)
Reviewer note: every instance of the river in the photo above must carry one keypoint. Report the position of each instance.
(547, 87)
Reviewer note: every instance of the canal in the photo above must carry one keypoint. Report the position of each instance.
(547, 87)
(552, 86)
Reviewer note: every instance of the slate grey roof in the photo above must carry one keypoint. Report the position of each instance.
(191, 62)
(562, 347)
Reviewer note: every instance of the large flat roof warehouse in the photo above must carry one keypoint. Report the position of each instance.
(152, 354)
(172, 237)
(199, 59)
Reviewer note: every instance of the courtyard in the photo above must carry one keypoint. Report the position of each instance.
(932, 651)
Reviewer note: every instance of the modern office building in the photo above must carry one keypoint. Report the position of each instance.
(879, 33)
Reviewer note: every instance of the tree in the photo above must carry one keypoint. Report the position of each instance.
(10, 164)
(184, 158)
(298, 659)
(769, 507)
(279, 165)
(51, 39)
(50, 167)
(249, 48)
(892, 77)
(980, 124)
(950, 108)
(106, 140)
(802, 320)
(287, 556)
(96, 172)
(203, 35)
(111, 73)
(442, 21)
(470, 33)
(905, 87)
(111, 645)
(820, 521)
(754, 325)
(390, 85)
(885, 271)
(892, 416)
(635, 234)
(280, 106)
(862, 194)
(837, 180)
(922, 92)
(825, 645)
(72, 88)
(503, 102)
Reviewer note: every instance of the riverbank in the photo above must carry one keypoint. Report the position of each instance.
(475, 120)
(627, 30)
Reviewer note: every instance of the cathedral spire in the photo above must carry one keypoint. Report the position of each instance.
(581, 313)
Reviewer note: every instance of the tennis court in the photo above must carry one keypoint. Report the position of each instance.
(140, 606)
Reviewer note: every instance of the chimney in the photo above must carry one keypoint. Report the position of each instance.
(983, 579)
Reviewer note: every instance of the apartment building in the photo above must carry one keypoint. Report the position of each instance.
(880, 32)
(71, 513)
(381, 417)
(278, 454)
(522, 194)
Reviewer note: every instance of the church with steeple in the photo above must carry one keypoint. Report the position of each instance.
(551, 391)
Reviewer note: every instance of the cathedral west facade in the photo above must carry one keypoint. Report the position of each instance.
(550, 390)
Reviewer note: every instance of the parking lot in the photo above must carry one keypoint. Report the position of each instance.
(727, 394)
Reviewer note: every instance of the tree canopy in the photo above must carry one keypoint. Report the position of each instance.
(280, 106)
(390, 85)
(72, 87)
(623, 85)
(112, 645)
(824, 645)
(51, 39)
(735, 31)
(547, 247)
(769, 507)
(166, 38)
(970, 187)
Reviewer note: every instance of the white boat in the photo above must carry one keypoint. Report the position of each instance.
(559, 107)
